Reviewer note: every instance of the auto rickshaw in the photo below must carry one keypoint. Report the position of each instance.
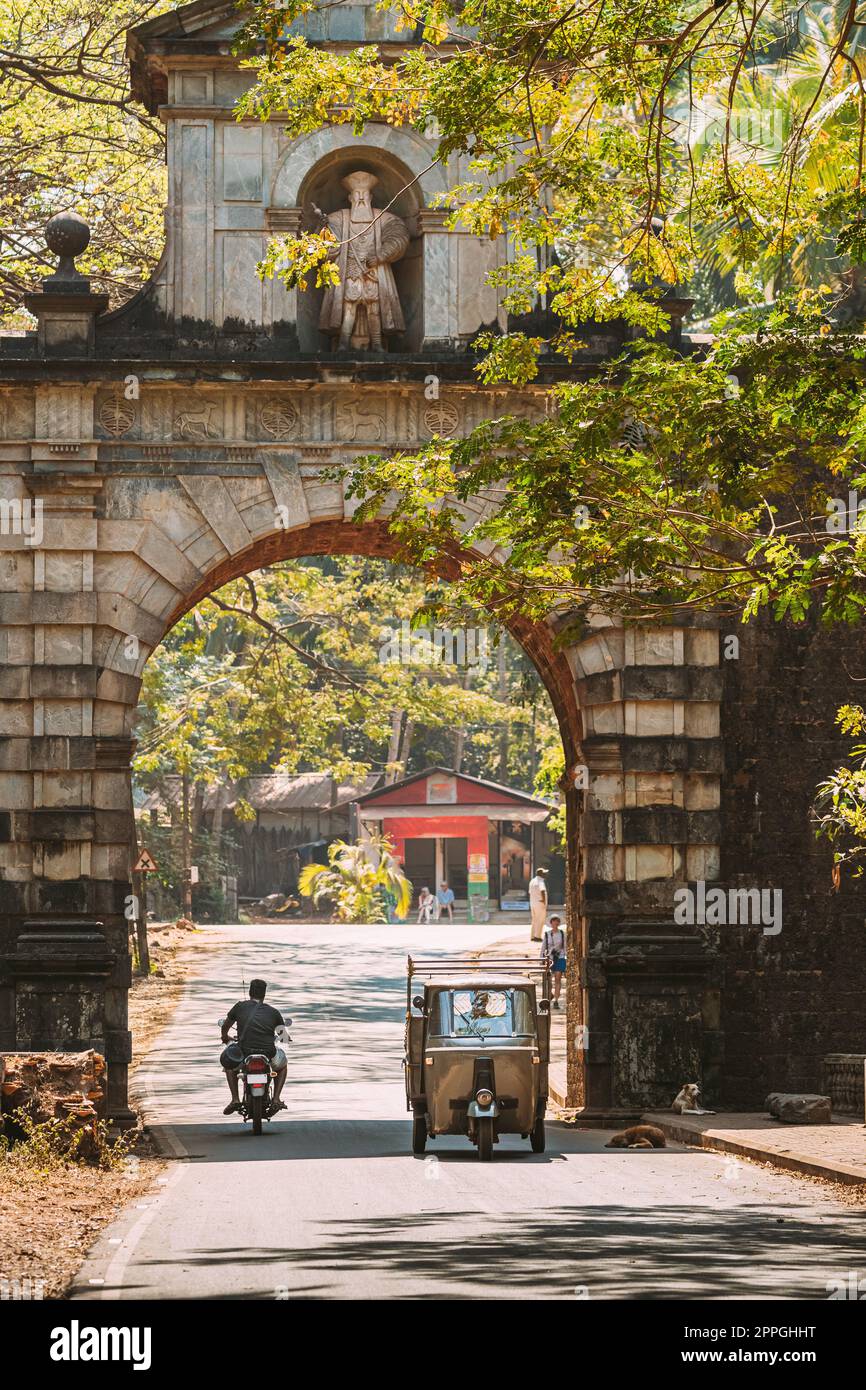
(477, 1049)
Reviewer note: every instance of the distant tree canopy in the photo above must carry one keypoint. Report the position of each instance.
(625, 149)
(313, 665)
(72, 138)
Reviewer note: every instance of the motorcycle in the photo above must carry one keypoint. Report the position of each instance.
(256, 1077)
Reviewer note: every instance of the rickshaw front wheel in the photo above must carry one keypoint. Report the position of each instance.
(536, 1138)
(419, 1134)
(484, 1130)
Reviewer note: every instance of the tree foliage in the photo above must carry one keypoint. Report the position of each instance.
(72, 138)
(604, 137)
(623, 149)
(301, 668)
(360, 880)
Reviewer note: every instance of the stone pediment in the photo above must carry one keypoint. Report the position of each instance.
(208, 27)
(208, 20)
(203, 19)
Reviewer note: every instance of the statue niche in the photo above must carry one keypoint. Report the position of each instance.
(365, 306)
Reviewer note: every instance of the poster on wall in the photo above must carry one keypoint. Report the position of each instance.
(478, 869)
(441, 790)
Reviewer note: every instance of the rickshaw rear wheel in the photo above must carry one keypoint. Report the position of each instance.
(419, 1134)
(536, 1138)
(485, 1138)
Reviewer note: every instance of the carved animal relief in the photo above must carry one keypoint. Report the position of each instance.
(196, 422)
(358, 420)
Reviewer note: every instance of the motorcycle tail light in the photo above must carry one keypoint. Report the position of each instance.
(257, 1064)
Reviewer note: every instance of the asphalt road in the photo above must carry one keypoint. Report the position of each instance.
(329, 1202)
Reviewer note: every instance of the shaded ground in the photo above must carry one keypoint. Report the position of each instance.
(48, 1222)
(835, 1151)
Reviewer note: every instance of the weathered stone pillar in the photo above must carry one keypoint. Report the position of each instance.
(64, 958)
(650, 823)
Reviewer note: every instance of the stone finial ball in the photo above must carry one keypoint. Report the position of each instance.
(67, 234)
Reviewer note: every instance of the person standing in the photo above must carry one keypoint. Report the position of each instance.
(537, 904)
(553, 951)
(445, 899)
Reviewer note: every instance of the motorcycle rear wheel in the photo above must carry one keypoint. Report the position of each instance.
(257, 1110)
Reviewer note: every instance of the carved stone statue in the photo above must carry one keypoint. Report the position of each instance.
(365, 304)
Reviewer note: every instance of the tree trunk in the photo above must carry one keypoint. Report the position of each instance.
(140, 904)
(185, 845)
(533, 750)
(406, 747)
(460, 734)
(391, 772)
(222, 796)
(503, 696)
(197, 808)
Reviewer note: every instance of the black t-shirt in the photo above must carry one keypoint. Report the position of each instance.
(256, 1023)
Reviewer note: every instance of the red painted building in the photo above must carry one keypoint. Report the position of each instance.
(485, 840)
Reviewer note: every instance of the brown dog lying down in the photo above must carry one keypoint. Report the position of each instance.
(638, 1137)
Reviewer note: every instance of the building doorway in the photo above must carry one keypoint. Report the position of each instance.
(420, 865)
(454, 860)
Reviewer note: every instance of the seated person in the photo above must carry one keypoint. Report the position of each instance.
(445, 899)
(257, 1023)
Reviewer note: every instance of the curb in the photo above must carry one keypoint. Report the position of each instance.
(850, 1174)
(556, 1087)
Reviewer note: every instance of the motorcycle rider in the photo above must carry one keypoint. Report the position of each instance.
(257, 1022)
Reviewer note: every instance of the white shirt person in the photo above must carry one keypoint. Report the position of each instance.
(537, 904)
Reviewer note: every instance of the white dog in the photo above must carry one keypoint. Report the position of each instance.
(686, 1103)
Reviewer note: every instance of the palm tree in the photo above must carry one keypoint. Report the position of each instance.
(358, 879)
(796, 117)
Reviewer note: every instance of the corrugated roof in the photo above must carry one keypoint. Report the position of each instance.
(274, 791)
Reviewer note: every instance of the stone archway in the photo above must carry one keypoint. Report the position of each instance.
(372, 538)
(145, 453)
(138, 529)
(189, 435)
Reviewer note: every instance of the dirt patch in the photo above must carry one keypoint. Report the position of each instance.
(50, 1219)
(154, 997)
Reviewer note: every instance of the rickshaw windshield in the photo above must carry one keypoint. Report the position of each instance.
(482, 1013)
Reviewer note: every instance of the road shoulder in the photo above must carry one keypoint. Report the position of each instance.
(836, 1152)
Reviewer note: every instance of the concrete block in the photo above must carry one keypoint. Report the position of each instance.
(212, 498)
(117, 612)
(66, 682)
(797, 1109)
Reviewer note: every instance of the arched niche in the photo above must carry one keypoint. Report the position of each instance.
(404, 185)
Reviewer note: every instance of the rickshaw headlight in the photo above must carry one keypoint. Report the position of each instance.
(484, 1097)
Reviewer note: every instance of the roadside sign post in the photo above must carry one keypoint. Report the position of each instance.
(145, 864)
